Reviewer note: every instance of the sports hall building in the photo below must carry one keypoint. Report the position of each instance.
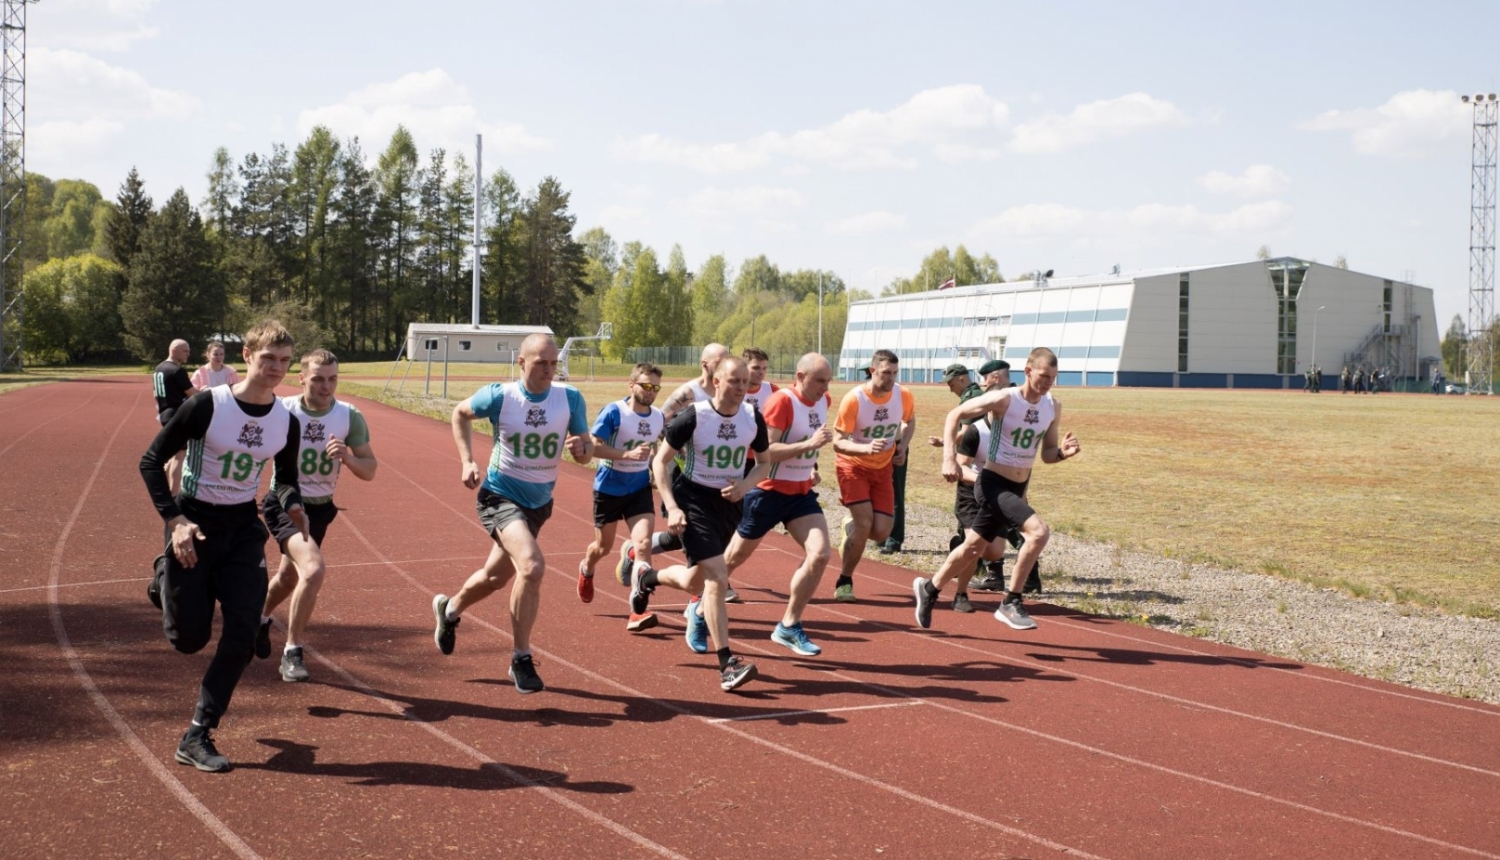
(1259, 324)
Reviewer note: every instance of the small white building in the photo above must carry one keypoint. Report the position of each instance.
(1258, 324)
(465, 342)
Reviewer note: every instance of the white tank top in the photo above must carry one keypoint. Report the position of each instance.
(224, 467)
(761, 394)
(317, 472)
(1019, 437)
(529, 440)
(715, 456)
(634, 431)
(806, 420)
(877, 421)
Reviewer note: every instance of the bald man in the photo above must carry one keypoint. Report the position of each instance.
(534, 422)
(173, 387)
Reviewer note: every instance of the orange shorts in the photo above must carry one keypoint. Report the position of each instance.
(858, 484)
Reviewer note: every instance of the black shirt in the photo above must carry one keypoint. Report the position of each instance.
(172, 385)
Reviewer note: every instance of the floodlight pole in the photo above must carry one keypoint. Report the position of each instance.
(1480, 370)
(1314, 361)
(820, 313)
(478, 218)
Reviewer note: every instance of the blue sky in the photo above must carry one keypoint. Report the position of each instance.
(849, 136)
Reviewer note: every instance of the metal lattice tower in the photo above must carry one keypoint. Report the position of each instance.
(12, 177)
(1481, 358)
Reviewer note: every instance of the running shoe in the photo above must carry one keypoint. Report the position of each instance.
(1013, 613)
(446, 630)
(585, 582)
(158, 573)
(735, 674)
(640, 596)
(697, 629)
(987, 582)
(845, 593)
(961, 603)
(197, 749)
(627, 560)
(794, 638)
(523, 672)
(637, 623)
(731, 596)
(926, 596)
(263, 640)
(292, 669)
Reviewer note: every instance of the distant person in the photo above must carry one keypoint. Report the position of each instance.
(1345, 379)
(334, 436)
(534, 422)
(215, 539)
(172, 386)
(216, 372)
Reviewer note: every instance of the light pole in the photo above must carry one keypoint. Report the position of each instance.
(1314, 362)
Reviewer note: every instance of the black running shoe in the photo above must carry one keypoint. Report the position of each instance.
(444, 633)
(263, 640)
(523, 672)
(926, 596)
(961, 603)
(292, 669)
(1034, 581)
(640, 597)
(197, 749)
(158, 573)
(735, 674)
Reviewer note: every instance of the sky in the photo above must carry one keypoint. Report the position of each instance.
(848, 136)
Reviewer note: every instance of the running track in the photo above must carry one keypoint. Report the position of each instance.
(1084, 738)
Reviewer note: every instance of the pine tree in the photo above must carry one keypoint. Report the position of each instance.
(174, 289)
(132, 209)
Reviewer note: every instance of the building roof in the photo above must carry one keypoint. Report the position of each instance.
(466, 328)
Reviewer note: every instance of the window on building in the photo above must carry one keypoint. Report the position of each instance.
(1287, 276)
(430, 344)
(465, 345)
(1182, 323)
(1385, 309)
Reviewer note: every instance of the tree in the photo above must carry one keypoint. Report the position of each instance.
(72, 308)
(675, 314)
(223, 190)
(175, 290)
(500, 281)
(633, 300)
(39, 191)
(128, 218)
(1263, 252)
(601, 260)
(315, 176)
(552, 262)
(1455, 348)
(1340, 262)
(69, 226)
(937, 267)
(710, 294)
(351, 250)
(397, 181)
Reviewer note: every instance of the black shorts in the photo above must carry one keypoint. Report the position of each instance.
(711, 520)
(766, 509)
(965, 506)
(496, 512)
(1002, 505)
(319, 518)
(611, 509)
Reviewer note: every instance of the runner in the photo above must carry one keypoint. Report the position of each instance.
(334, 435)
(703, 506)
(534, 422)
(216, 543)
(172, 387)
(797, 420)
(869, 438)
(623, 435)
(1028, 419)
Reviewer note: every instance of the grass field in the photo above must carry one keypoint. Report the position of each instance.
(1392, 497)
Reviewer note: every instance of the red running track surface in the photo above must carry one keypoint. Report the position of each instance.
(1083, 738)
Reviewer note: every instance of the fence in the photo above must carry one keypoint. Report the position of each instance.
(783, 364)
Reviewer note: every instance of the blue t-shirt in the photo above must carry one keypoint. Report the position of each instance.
(487, 402)
(612, 481)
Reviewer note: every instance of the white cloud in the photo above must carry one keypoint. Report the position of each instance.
(76, 86)
(98, 25)
(1258, 180)
(431, 105)
(1128, 114)
(1413, 123)
(939, 119)
(879, 221)
(1150, 220)
(752, 200)
(68, 141)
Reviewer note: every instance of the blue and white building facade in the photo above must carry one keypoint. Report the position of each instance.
(1239, 325)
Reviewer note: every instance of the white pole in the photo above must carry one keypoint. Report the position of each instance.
(820, 313)
(478, 217)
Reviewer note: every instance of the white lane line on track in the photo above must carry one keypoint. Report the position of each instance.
(784, 714)
(676, 709)
(1068, 742)
(1058, 669)
(22, 437)
(54, 609)
(74, 584)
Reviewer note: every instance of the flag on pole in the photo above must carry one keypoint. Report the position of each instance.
(951, 282)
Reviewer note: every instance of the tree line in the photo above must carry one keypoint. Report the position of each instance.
(347, 251)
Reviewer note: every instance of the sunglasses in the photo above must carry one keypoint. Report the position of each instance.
(648, 386)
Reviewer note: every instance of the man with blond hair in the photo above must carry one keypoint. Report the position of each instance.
(334, 436)
(534, 422)
(215, 541)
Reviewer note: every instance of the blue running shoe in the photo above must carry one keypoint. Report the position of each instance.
(697, 629)
(794, 638)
